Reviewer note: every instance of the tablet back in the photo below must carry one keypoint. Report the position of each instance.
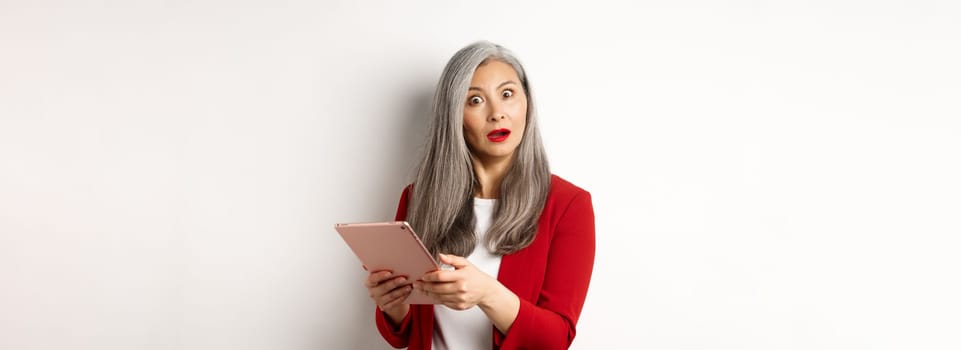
(390, 246)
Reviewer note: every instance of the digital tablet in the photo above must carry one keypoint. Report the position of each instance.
(390, 246)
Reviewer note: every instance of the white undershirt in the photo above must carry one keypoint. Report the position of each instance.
(469, 329)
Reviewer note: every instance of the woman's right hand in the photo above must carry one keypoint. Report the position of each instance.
(389, 292)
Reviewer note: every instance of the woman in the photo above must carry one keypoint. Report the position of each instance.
(484, 191)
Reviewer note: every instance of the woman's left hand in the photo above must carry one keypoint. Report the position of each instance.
(459, 289)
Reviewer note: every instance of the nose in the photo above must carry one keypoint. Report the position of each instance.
(497, 113)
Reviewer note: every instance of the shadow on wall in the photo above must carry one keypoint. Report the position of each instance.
(402, 153)
(402, 150)
(401, 127)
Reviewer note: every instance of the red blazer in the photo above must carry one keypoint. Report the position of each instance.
(550, 277)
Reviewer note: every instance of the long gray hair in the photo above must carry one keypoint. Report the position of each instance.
(441, 210)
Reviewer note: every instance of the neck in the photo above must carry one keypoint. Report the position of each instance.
(490, 173)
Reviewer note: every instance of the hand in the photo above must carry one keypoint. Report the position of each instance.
(460, 289)
(389, 292)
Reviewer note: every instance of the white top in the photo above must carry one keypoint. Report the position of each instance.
(470, 329)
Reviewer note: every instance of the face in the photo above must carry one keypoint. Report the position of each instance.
(495, 112)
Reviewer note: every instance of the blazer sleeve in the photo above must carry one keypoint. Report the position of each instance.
(397, 335)
(550, 322)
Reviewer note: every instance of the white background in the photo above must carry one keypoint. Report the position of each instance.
(765, 175)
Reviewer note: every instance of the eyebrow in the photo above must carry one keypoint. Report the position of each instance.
(498, 86)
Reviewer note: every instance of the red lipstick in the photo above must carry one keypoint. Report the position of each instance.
(498, 135)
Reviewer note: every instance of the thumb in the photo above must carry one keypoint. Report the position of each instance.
(458, 262)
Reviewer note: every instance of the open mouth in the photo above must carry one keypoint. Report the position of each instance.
(498, 135)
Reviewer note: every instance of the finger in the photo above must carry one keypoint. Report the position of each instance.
(377, 277)
(423, 288)
(382, 289)
(393, 303)
(441, 276)
(439, 288)
(429, 277)
(388, 286)
(458, 262)
(396, 297)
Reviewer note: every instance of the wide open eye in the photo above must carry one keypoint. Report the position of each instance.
(507, 93)
(475, 100)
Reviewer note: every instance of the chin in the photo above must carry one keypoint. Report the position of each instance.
(502, 154)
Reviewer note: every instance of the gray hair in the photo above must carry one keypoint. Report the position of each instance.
(441, 210)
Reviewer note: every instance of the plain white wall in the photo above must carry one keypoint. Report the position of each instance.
(765, 175)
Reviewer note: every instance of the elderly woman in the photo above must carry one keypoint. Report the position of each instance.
(520, 239)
